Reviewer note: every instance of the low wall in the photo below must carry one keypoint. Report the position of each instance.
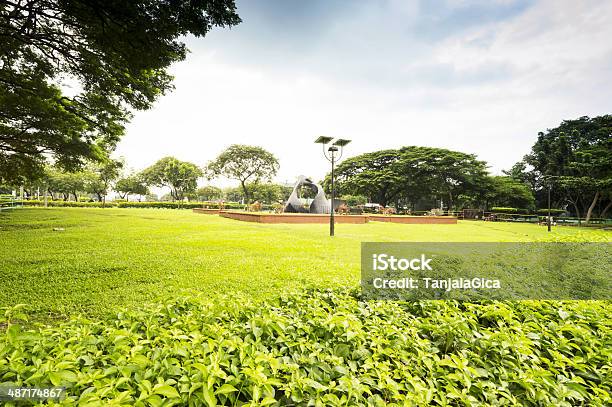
(206, 211)
(291, 217)
(415, 220)
(260, 217)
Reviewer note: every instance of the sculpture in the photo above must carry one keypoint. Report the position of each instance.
(297, 204)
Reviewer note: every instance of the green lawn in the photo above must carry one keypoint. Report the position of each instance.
(214, 311)
(105, 258)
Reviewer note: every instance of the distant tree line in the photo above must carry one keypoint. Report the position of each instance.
(573, 160)
(252, 166)
(417, 178)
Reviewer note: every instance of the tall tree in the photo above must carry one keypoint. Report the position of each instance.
(101, 177)
(131, 185)
(441, 172)
(180, 176)
(410, 174)
(269, 193)
(114, 54)
(508, 192)
(209, 193)
(245, 164)
(376, 175)
(64, 183)
(576, 157)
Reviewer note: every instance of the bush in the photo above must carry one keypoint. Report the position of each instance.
(160, 205)
(354, 200)
(498, 209)
(69, 204)
(144, 204)
(321, 347)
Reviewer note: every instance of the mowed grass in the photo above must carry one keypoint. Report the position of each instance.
(109, 258)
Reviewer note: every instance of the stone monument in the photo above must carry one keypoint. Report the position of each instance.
(296, 204)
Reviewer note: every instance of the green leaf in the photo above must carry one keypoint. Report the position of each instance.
(166, 391)
(225, 389)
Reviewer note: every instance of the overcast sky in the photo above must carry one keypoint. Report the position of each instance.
(480, 77)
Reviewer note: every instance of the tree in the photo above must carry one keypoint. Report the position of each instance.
(116, 52)
(411, 174)
(576, 157)
(233, 194)
(508, 192)
(209, 193)
(100, 177)
(375, 175)
(64, 183)
(180, 176)
(132, 184)
(244, 164)
(442, 173)
(269, 193)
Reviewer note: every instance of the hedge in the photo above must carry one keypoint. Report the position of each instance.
(498, 209)
(70, 204)
(321, 348)
(124, 204)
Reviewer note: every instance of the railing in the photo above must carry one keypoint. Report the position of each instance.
(8, 201)
(535, 218)
(575, 221)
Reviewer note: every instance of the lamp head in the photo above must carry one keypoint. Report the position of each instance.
(323, 140)
(341, 142)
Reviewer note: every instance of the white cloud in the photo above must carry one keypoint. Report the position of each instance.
(483, 88)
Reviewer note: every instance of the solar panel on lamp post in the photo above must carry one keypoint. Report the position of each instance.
(332, 158)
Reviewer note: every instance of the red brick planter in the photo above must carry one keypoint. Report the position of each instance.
(206, 211)
(291, 217)
(415, 220)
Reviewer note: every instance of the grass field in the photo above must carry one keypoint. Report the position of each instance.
(105, 258)
(152, 307)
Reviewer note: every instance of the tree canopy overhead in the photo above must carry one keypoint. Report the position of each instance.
(114, 54)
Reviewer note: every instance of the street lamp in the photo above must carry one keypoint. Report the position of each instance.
(548, 179)
(336, 146)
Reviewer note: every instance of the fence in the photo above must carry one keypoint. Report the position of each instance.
(9, 201)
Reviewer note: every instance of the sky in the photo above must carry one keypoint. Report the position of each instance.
(481, 77)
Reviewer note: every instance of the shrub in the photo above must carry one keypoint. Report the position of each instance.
(321, 347)
(498, 209)
(160, 205)
(354, 200)
(144, 204)
(68, 204)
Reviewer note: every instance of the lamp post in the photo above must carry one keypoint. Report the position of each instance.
(548, 222)
(549, 185)
(337, 145)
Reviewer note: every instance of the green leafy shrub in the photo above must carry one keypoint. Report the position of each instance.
(69, 204)
(498, 209)
(322, 348)
(160, 205)
(134, 204)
